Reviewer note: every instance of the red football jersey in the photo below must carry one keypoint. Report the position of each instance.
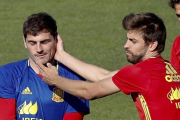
(175, 54)
(154, 86)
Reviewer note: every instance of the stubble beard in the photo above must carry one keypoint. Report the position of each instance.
(49, 59)
(135, 58)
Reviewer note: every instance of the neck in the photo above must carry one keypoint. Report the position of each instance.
(152, 54)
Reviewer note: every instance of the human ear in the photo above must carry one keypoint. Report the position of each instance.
(153, 45)
(24, 40)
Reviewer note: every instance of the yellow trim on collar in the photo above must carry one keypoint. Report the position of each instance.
(57, 65)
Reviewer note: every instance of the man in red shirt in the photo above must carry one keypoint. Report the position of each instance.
(152, 81)
(175, 51)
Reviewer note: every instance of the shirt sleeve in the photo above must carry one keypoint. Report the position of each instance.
(175, 54)
(73, 116)
(76, 104)
(7, 88)
(8, 109)
(131, 79)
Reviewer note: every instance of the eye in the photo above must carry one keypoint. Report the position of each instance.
(134, 41)
(32, 43)
(45, 41)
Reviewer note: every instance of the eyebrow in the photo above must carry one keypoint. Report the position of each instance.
(40, 41)
(133, 39)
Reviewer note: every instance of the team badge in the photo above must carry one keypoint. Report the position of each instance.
(174, 94)
(58, 95)
(27, 108)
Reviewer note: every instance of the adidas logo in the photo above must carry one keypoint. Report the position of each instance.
(26, 91)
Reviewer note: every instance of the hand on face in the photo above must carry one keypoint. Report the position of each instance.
(60, 47)
(49, 73)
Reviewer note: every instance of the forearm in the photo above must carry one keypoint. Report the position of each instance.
(78, 88)
(88, 71)
(75, 87)
(82, 89)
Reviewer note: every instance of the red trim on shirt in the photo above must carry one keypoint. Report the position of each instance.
(8, 109)
(74, 116)
(40, 75)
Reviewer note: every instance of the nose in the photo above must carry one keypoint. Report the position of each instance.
(39, 48)
(126, 44)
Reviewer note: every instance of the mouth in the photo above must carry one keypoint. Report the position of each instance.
(128, 52)
(40, 56)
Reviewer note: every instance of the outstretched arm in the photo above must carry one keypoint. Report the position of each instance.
(82, 89)
(88, 71)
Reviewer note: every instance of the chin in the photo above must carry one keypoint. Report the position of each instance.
(131, 61)
(43, 62)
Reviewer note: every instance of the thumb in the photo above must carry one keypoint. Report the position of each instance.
(59, 38)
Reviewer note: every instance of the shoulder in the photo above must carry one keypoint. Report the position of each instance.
(151, 61)
(176, 42)
(18, 64)
(15, 67)
(63, 69)
(68, 73)
(127, 72)
(145, 66)
(130, 69)
(154, 65)
(177, 38)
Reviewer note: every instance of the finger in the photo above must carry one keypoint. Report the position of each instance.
(40, 66)
(60, 42)
(49, 65)
(59, 38)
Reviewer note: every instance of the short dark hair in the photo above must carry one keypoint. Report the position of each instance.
(173, 2)
(149, 25)
(40, 22)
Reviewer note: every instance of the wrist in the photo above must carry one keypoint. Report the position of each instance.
(57, 80)
(59, 56)
(63, 57)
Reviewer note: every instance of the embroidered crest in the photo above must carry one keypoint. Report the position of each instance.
(58, 95)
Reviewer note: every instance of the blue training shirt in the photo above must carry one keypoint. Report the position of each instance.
(36, 100)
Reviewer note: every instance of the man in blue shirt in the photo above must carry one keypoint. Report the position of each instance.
(22, 87)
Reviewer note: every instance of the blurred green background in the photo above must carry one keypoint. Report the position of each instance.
(92, 31)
